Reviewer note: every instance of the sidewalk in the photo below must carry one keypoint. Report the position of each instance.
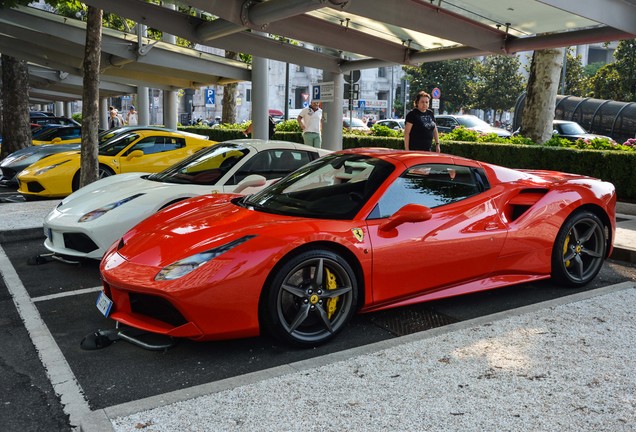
(566, 364)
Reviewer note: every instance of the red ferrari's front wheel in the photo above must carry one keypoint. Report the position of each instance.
(579, 250)
(311, 298)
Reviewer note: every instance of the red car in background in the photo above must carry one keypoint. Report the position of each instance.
(355, 231)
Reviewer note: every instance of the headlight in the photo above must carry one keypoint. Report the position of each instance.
(94, 214)
(50, 167)
(11, 160)
(183, 267)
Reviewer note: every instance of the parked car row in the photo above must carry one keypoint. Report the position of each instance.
(247, 236)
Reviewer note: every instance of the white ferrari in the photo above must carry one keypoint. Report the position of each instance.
(87, 222)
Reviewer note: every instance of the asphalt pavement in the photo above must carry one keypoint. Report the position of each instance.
(565, 364)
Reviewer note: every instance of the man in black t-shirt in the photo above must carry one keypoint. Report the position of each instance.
(419, 128)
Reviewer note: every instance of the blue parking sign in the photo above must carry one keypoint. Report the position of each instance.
(209, 96)
(315, 91)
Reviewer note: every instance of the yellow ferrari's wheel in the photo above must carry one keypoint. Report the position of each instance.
(104, 171)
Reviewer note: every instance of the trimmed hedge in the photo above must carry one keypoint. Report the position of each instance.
(613, 166)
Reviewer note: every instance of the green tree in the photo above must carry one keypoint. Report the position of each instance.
(577, 82)
(617, 80)
(625, 56)
(606, 83)
(455, 78)
(499, 83)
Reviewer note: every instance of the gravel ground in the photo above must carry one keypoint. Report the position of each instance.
(569, 367)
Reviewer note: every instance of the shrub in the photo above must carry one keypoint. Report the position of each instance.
(380, 130)
(290, 125)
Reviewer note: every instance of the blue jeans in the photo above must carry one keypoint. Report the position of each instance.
(312, 139)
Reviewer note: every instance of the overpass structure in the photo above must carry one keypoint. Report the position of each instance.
(337, 36)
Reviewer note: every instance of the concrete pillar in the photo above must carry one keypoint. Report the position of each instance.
(103, 113)
(68, 109)
(143, 100)
(170, 113)
(260, 98)
(170, 109)
(59, 109)
(332, 113)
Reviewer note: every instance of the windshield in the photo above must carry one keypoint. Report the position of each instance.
(49, 134)
(116, 144)
(332, 187)
(355, 122)
(205, 167)
(472, 121)
(570, 128)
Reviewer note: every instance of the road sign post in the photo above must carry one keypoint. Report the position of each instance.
(437, 94)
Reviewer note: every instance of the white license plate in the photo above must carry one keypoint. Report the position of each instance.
(104, 304)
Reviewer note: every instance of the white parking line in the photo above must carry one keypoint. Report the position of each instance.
(57, 369)
(66, 294)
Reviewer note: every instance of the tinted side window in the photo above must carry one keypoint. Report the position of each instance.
(272, 164)
(159, 144)
(428, 185)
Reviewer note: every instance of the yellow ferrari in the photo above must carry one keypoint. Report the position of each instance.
(138, 151)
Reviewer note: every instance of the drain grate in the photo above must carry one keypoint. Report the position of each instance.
(404, 321)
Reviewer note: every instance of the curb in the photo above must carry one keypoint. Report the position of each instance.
(623, 254)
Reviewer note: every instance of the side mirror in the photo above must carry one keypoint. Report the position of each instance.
(252, 180)
(134, 154)
(408, 213)
(555, 132)
(56, 140)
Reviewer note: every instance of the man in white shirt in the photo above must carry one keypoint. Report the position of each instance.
(310, 121)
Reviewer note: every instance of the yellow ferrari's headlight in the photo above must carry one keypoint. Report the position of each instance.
(50, 167)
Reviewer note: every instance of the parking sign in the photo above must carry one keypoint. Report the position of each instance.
(209, 96)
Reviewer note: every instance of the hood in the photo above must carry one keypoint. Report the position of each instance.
(103, 192)
(53, 159)
(193, 226)
(31, 154)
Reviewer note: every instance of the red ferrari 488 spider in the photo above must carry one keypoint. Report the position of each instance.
(355, 231)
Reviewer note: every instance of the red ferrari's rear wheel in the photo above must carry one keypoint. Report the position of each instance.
(311, 298)
(579, 250)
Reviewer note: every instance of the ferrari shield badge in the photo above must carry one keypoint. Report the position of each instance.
(358, 233)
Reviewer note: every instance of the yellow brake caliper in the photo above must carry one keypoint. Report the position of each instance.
(565, 249)
(331, 285)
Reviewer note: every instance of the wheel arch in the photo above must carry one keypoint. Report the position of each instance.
(349, 256)
(604, 217)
